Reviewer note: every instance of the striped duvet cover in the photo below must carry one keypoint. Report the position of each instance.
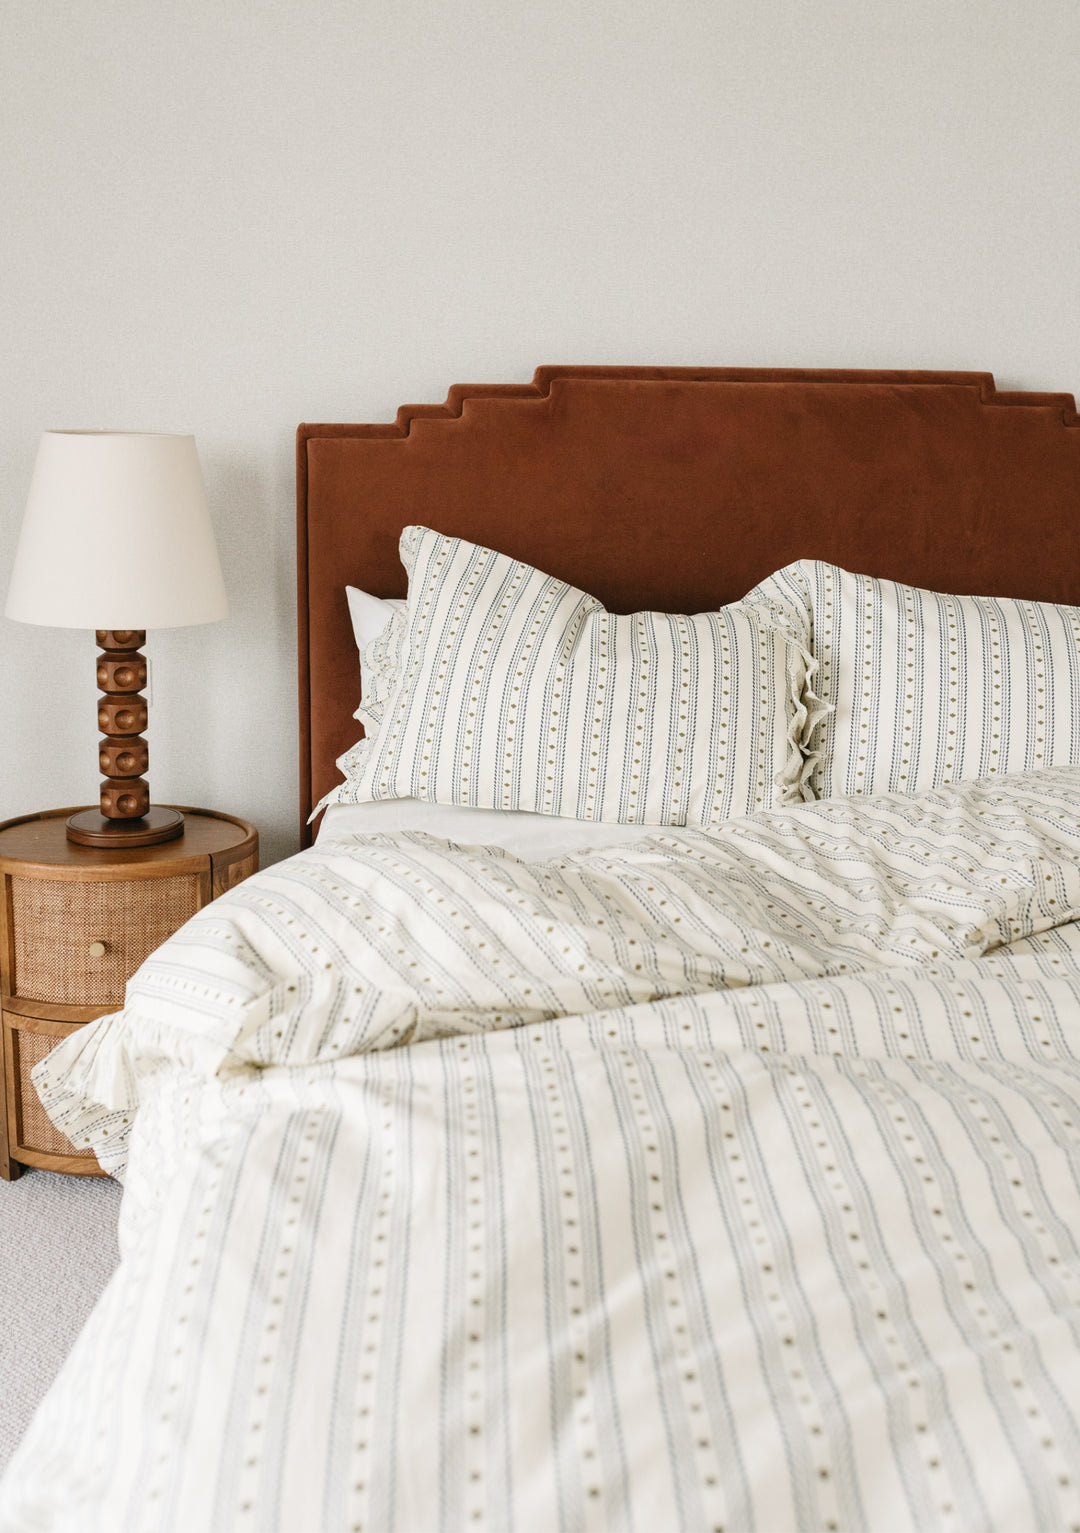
(721, 1181)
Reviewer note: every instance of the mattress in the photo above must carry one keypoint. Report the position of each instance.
(692, 1180)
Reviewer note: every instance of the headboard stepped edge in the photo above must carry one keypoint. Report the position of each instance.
(963, 498)
(540, 388)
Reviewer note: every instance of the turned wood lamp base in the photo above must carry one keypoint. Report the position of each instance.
(91, 828)
(126, 818)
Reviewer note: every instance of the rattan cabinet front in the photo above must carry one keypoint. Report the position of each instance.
(81, 949)
(75, 924)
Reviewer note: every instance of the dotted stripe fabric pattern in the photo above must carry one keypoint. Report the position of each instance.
(926, 688)
(726, 1180)
(521, 692)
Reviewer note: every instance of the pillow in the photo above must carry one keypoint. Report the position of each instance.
(378, 625)
(520, 692)
(927, 688)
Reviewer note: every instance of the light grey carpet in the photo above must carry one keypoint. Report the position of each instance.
(57, 1252)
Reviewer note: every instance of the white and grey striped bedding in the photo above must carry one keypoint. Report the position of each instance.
(506, 688)
(718, 1181)
(922, 688)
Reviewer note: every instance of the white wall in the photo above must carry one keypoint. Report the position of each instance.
(227, 216)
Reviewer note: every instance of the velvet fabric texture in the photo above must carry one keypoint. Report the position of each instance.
(678, 489)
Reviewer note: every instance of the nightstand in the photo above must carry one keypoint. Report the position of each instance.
(75, 924)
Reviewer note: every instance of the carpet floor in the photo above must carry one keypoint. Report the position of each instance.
(57, 1252)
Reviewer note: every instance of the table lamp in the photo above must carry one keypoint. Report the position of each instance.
(117, 537)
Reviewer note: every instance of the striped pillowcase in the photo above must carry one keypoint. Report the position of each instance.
(520, 692)
(927, 688)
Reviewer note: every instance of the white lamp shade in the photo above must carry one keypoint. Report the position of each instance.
(116, 534)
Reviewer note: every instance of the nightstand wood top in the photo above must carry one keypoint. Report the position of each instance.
(41, 840)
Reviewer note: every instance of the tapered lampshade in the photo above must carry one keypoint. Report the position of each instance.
(117, 537)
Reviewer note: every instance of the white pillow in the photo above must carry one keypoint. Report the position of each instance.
(520, 692)
(927, 688)
(378, 639)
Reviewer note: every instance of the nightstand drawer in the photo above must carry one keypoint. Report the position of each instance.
(76, 921)
(32, 1132)
(78, 943)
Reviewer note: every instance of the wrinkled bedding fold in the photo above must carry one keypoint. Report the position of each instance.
(725, 1179)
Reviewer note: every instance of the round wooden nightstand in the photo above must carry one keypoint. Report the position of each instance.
(75, 924)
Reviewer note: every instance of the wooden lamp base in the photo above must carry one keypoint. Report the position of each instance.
(126, 818)
(91, 828)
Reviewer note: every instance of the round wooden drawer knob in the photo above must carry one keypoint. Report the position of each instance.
(97, 949)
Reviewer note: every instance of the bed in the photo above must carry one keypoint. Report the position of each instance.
(586, 1144)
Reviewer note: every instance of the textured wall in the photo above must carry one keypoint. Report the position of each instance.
(227, 218)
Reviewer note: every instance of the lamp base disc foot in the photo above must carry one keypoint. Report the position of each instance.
(91, 828)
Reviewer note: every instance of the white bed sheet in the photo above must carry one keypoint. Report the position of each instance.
(530, 836)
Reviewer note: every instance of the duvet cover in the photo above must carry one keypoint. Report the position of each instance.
(719, 1181)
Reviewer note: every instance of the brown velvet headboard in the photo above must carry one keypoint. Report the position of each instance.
(678, 489)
